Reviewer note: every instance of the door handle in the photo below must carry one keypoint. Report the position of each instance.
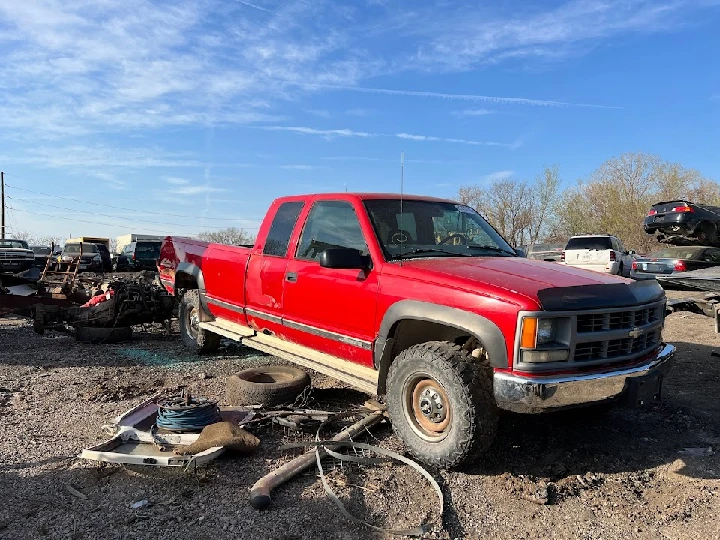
(291, 277)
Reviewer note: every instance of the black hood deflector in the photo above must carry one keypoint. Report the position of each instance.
(600, 296)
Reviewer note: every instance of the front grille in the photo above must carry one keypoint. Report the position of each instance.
(599, 338)
(616, 348)
(618, 320)
(14, 255)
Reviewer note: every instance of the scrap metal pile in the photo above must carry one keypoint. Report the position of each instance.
(89, 301)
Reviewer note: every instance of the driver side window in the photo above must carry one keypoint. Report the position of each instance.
(330, 224)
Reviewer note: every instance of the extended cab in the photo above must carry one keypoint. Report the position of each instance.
(422, 301)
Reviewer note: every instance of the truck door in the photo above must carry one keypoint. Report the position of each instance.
(328, 309)
(266, 271)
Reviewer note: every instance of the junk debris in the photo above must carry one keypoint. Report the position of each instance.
(96, 309)
(138, 440)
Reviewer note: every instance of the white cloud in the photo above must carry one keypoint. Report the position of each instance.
(358, 112)
(498, 175)
(195, 190)
(302, 167)
(460, 97)
(319, 112)
(324, 132)
(176, 181)
(428, 138)
(474, 112)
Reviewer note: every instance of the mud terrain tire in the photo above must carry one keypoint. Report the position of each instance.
(441, 403)
(195, 338)
(268, 386)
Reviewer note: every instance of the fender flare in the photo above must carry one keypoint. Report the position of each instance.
(476, 325)
(194, 271)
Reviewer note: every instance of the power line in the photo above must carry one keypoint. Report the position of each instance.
(115, 217)
(80, 220)
(120, 207)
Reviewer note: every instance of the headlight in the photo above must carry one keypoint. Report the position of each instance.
(546, 331)
(97, 258)
(541, 332)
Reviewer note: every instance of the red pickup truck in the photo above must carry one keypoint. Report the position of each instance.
(420, 300)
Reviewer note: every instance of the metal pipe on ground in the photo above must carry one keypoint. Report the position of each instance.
(260, 498)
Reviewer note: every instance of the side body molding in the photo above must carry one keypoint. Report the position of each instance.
(476, 325)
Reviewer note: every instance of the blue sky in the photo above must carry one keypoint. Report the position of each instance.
(191, 115)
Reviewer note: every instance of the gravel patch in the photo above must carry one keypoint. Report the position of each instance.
(597, 473)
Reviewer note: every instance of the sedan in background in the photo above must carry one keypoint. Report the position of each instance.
(673, 259)
(545, 252)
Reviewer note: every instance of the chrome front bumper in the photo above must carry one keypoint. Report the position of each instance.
(541, 394)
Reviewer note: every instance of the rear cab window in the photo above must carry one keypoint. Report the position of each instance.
(281, 229)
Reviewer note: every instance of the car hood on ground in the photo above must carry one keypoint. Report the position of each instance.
(550, 285)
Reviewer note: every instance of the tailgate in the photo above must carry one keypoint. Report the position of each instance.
(579, 257)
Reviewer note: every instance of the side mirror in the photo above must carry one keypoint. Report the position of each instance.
(520, 252)
(346, 258)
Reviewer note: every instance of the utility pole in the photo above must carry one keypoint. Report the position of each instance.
(2, 227)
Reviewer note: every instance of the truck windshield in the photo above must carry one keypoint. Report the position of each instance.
(13, 244)
(433, 229)
(74, 249)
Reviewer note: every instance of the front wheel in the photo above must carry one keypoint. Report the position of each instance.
(195, 338)
(441, 403)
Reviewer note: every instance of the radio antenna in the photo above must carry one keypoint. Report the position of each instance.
(402, 186)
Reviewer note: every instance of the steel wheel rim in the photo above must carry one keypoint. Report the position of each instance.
(427, 408)
(192, 322)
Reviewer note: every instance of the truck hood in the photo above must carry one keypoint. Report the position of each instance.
(553, 286)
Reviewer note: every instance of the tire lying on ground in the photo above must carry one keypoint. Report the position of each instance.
(267, 386)
(88, 334)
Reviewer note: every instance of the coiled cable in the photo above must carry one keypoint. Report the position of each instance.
(187, 414)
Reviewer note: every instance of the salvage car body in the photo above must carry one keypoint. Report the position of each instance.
(545, 252)
(683, 222)
(90, 258)
(15, 256)
(279, 297)
(675, 259)
(141, 255)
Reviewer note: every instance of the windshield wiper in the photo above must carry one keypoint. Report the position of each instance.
(429, 250)
(493, 248)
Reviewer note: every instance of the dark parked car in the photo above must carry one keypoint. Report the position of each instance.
(106, 258)
(42, 253)
(674, 259)
(15, 256)
(91, 260)
(684, 223)
(138, 256)
(545, 252)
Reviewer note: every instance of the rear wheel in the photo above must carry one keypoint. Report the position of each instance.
(195, 338)
(707, 234)
(441, 403)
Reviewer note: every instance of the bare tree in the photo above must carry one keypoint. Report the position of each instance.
(231, 235)
(544, 204)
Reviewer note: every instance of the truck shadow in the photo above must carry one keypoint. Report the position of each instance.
(605, 439)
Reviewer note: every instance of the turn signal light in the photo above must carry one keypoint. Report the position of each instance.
(684, 208)
(529, 333)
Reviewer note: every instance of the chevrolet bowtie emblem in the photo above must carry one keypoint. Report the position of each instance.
(636, 332)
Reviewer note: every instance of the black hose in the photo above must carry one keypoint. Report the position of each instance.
(187, 414)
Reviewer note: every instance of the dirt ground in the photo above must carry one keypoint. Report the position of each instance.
(610, 473)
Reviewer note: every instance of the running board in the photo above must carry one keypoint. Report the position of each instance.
(360, 377)
(228, 329)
